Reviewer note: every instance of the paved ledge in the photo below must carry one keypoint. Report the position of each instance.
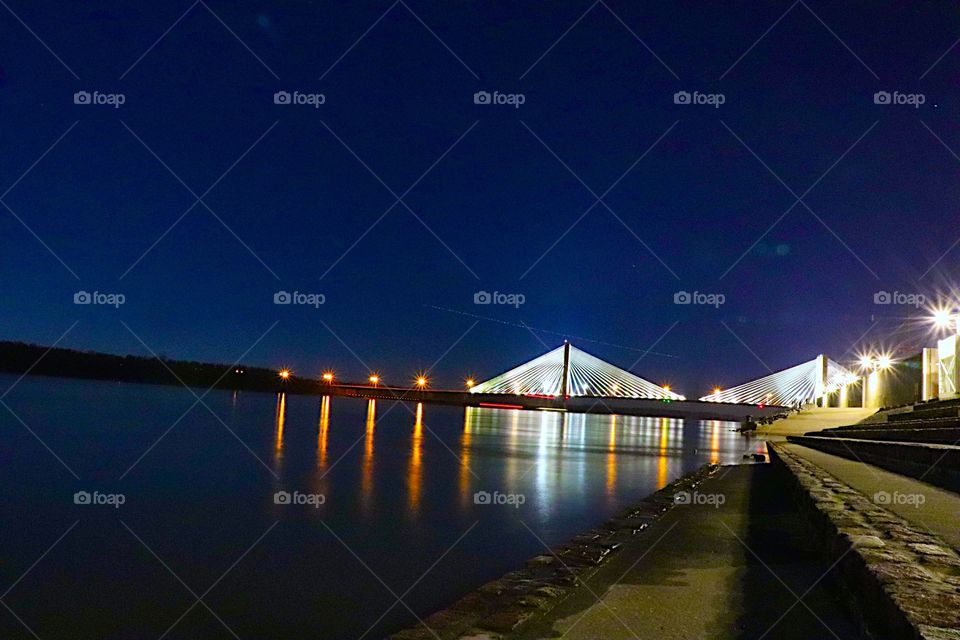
(905, 582)
(923, 435)
(937, 464)
(501, 606)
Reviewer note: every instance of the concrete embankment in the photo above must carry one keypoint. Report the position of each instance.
(729, 559)
(937, 464)
(905, 580)
(504, 605)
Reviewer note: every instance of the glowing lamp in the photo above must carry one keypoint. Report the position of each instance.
(284, 374)
(941, 318)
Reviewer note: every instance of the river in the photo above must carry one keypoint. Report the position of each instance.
(134, 511)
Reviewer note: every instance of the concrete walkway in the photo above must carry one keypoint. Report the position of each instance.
(939, 513)
(702, 580)
(812, 420)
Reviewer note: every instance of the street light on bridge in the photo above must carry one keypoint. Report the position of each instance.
(328, 377)
(470, 383)
(284, 374)
(421, 381)
(374, 379)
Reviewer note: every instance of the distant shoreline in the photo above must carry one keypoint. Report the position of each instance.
(33, 359)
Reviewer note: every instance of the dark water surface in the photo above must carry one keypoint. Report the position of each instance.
(200, 518)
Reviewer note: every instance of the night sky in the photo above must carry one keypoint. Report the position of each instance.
(399, 198)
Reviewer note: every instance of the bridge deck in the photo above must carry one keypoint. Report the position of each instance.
(693, 409)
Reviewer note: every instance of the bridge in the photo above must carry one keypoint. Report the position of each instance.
(570, 379)
(804, 383)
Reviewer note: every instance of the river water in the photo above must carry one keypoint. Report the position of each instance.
(394, 510)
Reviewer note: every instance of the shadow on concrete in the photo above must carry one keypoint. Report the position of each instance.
(781, 559)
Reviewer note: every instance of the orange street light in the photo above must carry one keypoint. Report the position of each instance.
(421, 381)
(328, 376)
(470, 383)
(374, 379)
(284, 374)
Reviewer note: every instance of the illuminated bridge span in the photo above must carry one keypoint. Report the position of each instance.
(802, 383)
(571, 372)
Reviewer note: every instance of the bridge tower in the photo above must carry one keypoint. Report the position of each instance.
(820, 384)
(566, 370)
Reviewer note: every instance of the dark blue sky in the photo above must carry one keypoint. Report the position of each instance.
(696, 212)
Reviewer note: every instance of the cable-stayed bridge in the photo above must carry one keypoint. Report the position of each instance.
(568, 371)
(803, 383)
(570, 379)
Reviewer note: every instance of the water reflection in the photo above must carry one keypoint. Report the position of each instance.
(465, 471)
(414, 469)
(323, 433)
(366, 475)
(715, 442)
(662, 467)
(612, 457)
(279, 419)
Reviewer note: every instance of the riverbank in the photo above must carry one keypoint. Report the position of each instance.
(23, 358)
(792, 549)
(731, 566)
(720, 555)
(526, 595)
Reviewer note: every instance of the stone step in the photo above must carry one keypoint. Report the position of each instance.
(949, 436)
(924, 423)
(937, 464)
(925, 413)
